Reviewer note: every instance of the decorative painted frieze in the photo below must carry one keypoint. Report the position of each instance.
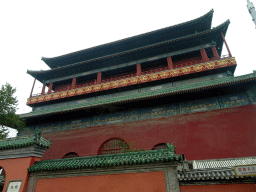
(135, 80)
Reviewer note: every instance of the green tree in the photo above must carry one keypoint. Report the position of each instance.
(125, 148)
(8, 107)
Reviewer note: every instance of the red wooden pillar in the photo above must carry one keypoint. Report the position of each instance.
(229, 53)
(170, 63)
(32, 88)
(43, 90)
(204, 55)
(73, 86)
(138, 68)
(50, 88)
(99, 75)
(215, 53)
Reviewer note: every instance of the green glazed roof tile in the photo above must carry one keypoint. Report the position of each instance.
(168, 91)
(20, 142)
(130, 158)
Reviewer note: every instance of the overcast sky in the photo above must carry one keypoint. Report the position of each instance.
(49, 28)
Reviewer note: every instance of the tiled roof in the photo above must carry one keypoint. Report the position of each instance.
(212, 169)
(219, 163)
(20, 142)
(51, 62)
(168, 91)
(130, 158)
(207, 174)
(222, 27)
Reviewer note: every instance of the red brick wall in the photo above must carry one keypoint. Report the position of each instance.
(16, 169)
(223, 133)
(129, 182)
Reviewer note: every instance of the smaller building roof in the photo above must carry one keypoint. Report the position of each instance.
(220, 163)
(220, 174)
(20, 142)
(212, 169)
(120, 159)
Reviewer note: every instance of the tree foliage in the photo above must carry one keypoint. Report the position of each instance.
(8, 107)
(125, 148)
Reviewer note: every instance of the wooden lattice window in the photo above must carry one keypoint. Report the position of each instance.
(160, 146)
(111, 146)
(70, 155)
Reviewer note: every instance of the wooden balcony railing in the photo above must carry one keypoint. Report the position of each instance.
(86, 83)
(176, 64)
(118, 77)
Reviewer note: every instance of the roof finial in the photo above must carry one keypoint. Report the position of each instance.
(37, 134)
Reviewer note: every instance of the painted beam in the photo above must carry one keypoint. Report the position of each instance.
(135, 80)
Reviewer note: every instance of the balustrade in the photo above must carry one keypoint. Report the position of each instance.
(86, 83)
(176, 64)
(154, 70)
(118, 77)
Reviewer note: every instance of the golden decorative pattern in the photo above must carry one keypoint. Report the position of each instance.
(154, 76)
(48, 97)
(33, 100)
(198, 68)
(56, 96)
(135, 80)
(222, 63)
(106, 86)
(144, 79)
(164, 74)
(115, 84)
(186, 70)
(72, 92)
(210, 65)
(124, 82)
(80, 91)
(175, 72)
(232, 60)
(40, 99)
(63, 94)
(97, 88)
(88, 89)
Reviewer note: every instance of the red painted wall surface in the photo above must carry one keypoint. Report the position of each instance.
(224, 133)
(16, 169)
(130, 182)
(218, 188)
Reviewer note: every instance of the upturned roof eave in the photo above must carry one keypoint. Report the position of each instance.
(17, 142)
(53, 62)
(223, 27)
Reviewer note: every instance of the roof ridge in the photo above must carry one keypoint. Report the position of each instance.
(19, 142)
(91, 48)
(141, 157)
